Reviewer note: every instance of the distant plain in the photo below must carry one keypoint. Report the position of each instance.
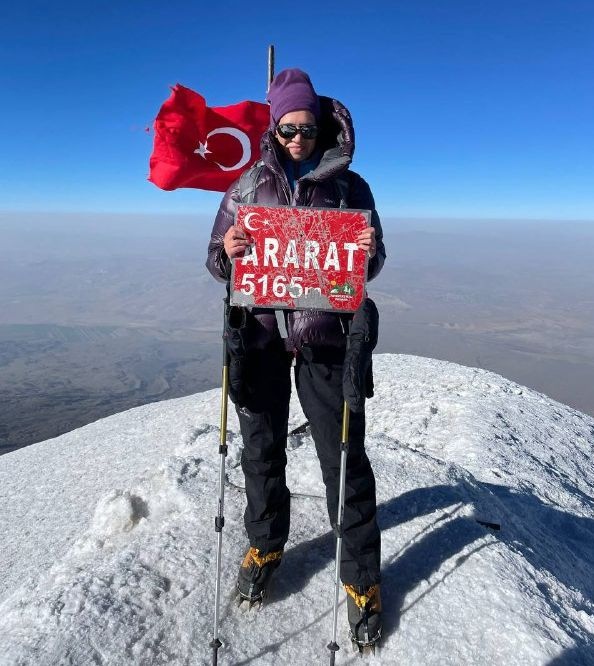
(100, 313)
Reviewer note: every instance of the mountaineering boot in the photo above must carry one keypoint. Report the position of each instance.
(255, 572)
(364, 608)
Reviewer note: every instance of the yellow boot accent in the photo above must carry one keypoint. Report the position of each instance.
(370, 599)
(253, 555)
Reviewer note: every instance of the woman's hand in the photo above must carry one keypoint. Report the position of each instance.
(235, 241)
(366, 241)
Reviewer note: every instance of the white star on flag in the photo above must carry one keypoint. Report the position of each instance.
(202, 150)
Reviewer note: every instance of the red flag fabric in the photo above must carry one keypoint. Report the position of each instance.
(204, 147)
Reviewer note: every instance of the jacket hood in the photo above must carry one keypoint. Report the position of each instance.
(336, 140)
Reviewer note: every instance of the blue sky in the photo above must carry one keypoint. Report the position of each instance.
(463, 108)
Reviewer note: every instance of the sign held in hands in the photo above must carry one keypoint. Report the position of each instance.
(300, 258)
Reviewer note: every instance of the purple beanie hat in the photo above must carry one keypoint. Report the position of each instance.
(291, 90)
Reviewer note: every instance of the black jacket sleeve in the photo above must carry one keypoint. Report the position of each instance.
(360, 196)
(217, 261)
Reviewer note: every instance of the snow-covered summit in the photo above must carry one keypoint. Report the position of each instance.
(108, 543)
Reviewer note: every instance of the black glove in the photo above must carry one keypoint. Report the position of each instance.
(357, 378)
(235, 326)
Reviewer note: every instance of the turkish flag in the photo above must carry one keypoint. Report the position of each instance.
(204, 147)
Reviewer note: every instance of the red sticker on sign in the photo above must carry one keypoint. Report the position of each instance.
(300, 258)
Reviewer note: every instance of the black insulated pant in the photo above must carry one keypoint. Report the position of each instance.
(318, 377)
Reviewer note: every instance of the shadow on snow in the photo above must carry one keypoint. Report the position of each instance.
(548, 538)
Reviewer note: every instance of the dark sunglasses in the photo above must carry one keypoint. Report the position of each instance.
(290, 131)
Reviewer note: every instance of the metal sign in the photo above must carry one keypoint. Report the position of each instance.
(300, 258)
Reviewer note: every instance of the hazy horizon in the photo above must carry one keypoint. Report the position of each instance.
(104, 312)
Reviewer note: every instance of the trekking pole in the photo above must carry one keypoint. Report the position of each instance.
(344, 447)
(215, 644)
(220, 518)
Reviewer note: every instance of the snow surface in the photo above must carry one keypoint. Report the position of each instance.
(108, 545)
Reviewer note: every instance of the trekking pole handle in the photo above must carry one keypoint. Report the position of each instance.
(224, 384)
(224, 407)
(346, 413)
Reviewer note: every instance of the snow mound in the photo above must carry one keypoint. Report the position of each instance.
(120, 549)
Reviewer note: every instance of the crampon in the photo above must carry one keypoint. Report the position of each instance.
(254, 577)
(249, 605)
(365, 649)
(364, 612)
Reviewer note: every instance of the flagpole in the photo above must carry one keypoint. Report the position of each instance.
(270, 65)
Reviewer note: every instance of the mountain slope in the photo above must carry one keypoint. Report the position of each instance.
(110, 546)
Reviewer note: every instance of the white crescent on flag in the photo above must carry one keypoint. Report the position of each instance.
(247, 224)
(244, 141)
